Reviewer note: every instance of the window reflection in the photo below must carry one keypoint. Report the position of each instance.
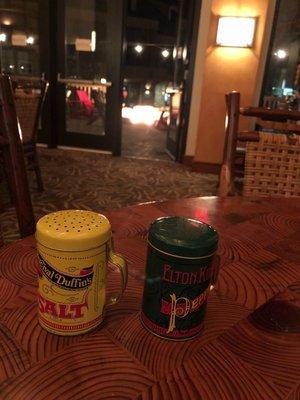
(86, 60)
(86, 39)
(19, 37)
(282, 81)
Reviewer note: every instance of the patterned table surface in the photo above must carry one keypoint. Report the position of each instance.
(249, 348)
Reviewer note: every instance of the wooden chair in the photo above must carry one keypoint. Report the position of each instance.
(29, 100)
(12, 157)
(235, 140)
(272, 166)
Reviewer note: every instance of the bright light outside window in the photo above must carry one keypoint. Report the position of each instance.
(281, 54)
(138, 48)
(235, 31)
(30, 40)
(146, 115)
(2, 37)
(165, 53)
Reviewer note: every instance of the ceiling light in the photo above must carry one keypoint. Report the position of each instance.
(235, 31)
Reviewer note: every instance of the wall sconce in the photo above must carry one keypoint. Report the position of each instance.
(236, 31)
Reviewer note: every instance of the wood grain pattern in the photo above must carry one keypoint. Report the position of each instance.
(248, 349)
(36, 342)
(161, 356)
(213, 373)
(23, 295)
(8, 291)
(13, 359)
(91, 369)
(19, 264)
(252, 283)
(295, 394)
(268, 340)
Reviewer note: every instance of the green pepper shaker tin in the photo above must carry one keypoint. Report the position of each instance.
(179, 272)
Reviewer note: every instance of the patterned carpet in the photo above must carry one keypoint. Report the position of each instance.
(85, 180)
(143, 141)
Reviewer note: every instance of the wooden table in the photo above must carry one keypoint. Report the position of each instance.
(249, 349)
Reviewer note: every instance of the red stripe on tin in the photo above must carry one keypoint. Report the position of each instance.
(174, 334)
(71, 327)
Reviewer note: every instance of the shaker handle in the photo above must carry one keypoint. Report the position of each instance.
(119, 261)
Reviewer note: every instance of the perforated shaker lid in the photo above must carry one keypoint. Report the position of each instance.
(73, 230)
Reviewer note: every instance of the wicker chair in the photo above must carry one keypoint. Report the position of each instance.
(29, 101)
(272, 166)
(281, 121)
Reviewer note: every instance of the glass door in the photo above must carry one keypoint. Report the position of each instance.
(89, 73)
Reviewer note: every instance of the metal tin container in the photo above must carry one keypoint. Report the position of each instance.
(73, 250)
(178, 275)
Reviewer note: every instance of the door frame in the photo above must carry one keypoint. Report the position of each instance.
(52, 56)
(176, 149)
(192, 38)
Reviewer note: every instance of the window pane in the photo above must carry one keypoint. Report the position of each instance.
(86, 39)
(19, 37)
(86, 60)
(282, 81)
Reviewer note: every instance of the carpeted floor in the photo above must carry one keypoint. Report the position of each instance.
(144, 141)
(85, 180)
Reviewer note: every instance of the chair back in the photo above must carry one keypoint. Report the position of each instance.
(266, 119)
(274, 120)
(272, 166)
(29, 101)
(13, 158)
(226, 182)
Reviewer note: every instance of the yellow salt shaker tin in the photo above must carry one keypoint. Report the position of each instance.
(74, 247)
